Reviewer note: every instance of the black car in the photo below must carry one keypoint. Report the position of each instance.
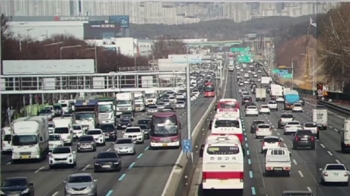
(58, 110)
(145, 128)
(109, 131)
(127, 115)
(86, 143)
(107, 161)
(304, 139)
(17, 186)
(249, 104)
(255, 125)
(246, 99)
(123, 123)
(167, 108)
(143, 121)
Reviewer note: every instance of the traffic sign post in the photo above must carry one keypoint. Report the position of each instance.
(247, 49)
(186, 145)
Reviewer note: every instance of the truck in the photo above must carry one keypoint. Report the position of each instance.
(63, 127)
(140, 105)
(125, 103)
(86, 113)
(278, 161)
(151, 97)
(277, 92)
(30, 139)
(345, 136)
(107, 110)
(320, 117)
(265, 81)
(290, 99)
(260, 94)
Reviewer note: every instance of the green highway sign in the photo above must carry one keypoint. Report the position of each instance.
(247, 49)
(275, 71)
(288, 76)
(245, 59)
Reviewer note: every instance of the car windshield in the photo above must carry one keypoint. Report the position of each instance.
(143, 122)
(94, 132)
(251, 107)
(143, 126)
(80, 179)
(258, 122)
(57, 107)
(131, 130)
(86, 138)
(54, 137)
(76, 127)
(107, 127)
(152, 107)
(46, 111)
(61, 130)
(14, 183)
(160, 103)
(107, 155)
(124, 141)
(61, 150)
(227, 123)
(335, 167)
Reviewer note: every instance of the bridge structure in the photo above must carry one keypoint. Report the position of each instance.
(226, 43)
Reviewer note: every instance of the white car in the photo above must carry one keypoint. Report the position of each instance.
(172, 99)
(134, 133)
(292, 127)
(264, 109)
(280, 99)
(77, 130)
(312, 126)
(259, 70)
(270, 142)
(259, 80)
(272, 105)
(263, 130)
(335, 173)
(51, 127)
(246, 82)
(66, 134)
(255, 76)
(63, 155)
(98, 135)
(240, 83)
(55, 140)
(297, 107)
(251, 111)
(180, 105)
(249, 71)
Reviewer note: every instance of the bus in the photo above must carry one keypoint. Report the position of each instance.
(226, 105)
(223, 163)
(209, 90)
(227, 125)
(165, 130)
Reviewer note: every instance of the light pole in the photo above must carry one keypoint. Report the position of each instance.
(66, 47)
(188, 97)
(95, 50)
(20, 40)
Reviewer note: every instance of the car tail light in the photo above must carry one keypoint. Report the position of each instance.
(257, 129)
(296, 138)
(204, 176)
(279, 143)
(263, 144)
(241, 176)
(317, 129)
(312, 138)
(346, 174)
(325, 174)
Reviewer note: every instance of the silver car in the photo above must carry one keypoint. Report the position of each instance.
(180, 105)
(151, 109)
(124, 146)
(80, 184)
(160, 105)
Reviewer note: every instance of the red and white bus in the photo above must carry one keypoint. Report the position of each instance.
(227, 125)
(223, 163)
(165, 130)
(209, 90)
(226, 105)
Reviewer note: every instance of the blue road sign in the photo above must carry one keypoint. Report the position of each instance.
(186, 145)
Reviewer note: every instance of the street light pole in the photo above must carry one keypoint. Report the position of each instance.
(188, 98)
(66, 47)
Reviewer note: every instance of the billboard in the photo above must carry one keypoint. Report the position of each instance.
(184, 58)
(122, 20)
(99, 30)
(44, 67)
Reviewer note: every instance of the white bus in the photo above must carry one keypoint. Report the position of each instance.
(227, 125)
(223, 163)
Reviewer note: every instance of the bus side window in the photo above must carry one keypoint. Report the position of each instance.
(210, 124)
(201, 151)
(243, 151)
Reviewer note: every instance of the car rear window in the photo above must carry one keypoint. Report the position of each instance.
(335, 167)
(310, 125)
(272, 102)
(251, 107)
(264, 126)
(271, 140)
(264, 106)
(286, 116)
(305, 132)
(293, 123)
(258, 122)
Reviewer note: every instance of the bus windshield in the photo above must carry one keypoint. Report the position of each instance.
(222, 150)
(226, 123)
(164, 126)
(209, 89)
(228, 105)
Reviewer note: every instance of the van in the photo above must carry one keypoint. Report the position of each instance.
(6, 142)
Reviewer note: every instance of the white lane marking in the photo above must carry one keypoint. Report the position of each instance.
(336, 130)
(301, 174)
(329, 152)
(309, 189)
(88, 165)
(8, 163)
(56, 193)
(281, 139)
(278, 133)
(109, 149)
(330, 127)
(323, 146)
(337, 161)
(295, 162)
(38, 170)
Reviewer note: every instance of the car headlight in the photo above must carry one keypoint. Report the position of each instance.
(97, 164)
(115, 163)
(78, 143)
(25, 191)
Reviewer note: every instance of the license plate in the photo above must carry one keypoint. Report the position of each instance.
(336, 174)
(106, 166)
(25, 157)
(165, 145)
(304, 139)
(278, 168)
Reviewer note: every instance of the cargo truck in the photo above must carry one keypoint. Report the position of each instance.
(151, 97)
(140, 105)
(86, 114)
(345, 136)
(125, 103)
(290, 99)
(320, 117)
(107, 110)
(260, 94)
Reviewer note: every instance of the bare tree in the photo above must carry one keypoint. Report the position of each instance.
(166, 45)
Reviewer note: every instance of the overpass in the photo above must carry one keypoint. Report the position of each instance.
(226, 43)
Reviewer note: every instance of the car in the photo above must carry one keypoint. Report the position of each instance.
(335, 173)
(123, 123)
(241, 83)
(46, 113)
(270, 142)
(143, 121)
(259, 70)
(62, 155)
(297, 192)
(66, 134)
(180, 105)
(312, 126)
(172, 99)
(124, 146)
(166, 102)
(80, 184)
(127, 115)
(255, 75)
(55, 140)
(304, 138)
(284, 118)
(302, 101)
(264, 109)
(246, 99)
(251, 111)
(107, 161)
(255, 124)
(145, 129)
(86, 143)
(110, 131)
(259, 80)
(272, 105)
(17, 186)
(291, 127)
(160, 105)
(167, 108)
(263, 130)
(98, 136)
(51, 126)
(151, 109)
(246, 82)
(134, 133)
(77, 130)
(297, 107)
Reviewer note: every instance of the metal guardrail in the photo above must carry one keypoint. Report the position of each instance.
(334, 107)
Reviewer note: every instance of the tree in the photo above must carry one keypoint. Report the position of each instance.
(166, 45)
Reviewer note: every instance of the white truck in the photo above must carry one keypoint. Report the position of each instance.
(6, 140)
(265, 81)
(66, 104)
(63, 126)
(345, 136)
(30, 139)
(140, 105)
(150, 97)
(260, 94)
(320, 117)
(277, 161)
(106, 110)
(277, 92)
(125, 103)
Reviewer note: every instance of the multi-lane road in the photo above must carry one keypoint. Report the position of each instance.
(143, 174)
(306, 164)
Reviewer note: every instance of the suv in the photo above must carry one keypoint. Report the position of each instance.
(255, 125)
(304, 138)
(273, 105)
(285, 117)
(246, 99)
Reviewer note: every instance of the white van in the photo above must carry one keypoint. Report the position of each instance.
(278, 161)
(6, 142)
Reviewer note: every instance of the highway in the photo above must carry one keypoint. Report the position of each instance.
(143, 174)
